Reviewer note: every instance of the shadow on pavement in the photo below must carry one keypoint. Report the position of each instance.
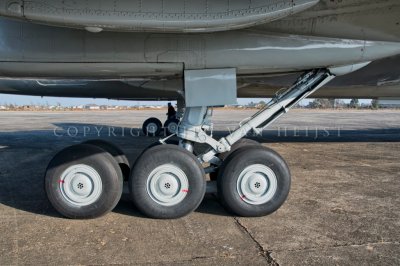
(24, 156)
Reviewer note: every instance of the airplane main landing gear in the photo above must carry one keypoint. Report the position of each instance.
(168, 181)
(251, 180)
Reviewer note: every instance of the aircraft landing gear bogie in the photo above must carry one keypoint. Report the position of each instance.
(168, 181)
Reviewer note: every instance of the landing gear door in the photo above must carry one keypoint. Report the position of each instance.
(210, 87)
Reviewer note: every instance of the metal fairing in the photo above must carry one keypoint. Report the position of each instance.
(379, 79)
(353, 19)
(154, 15)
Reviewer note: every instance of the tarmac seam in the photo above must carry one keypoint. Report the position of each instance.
(340, 246)
(176, 261)
(264, 253)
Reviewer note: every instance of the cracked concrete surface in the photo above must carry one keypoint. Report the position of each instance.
(265, 253)
(343, 208)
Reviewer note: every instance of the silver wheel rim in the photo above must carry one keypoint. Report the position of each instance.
(172, 127)
(81, 185)
(257, 184)
(152, 128)
(167, 185)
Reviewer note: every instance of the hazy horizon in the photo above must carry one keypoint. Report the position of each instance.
(64, 101)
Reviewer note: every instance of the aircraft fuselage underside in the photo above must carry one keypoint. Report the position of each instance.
(48, 61)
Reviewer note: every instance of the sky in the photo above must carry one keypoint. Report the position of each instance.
(36, 100)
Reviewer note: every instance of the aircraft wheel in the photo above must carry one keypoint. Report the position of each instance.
(253, 181)
(171, 126)
(239, 144)
(116, 152)
(167, 182)
(152, 127)
(83, 181)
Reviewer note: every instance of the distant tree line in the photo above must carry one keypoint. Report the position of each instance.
(340, 104)
(326, 104)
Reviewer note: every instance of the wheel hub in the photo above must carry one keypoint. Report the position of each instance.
(81, 185)
(152, 128)
(167, 185)
(172, 127)
(257, 184)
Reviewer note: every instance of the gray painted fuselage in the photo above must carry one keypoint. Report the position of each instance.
(59, 61)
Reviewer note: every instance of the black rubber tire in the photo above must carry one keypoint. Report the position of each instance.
(116, 152)
(106, 167)
(157, 122)
(168, 141)
(174, 142)
(239, 144)
(155, 157)
(167, 123)
(235, 164)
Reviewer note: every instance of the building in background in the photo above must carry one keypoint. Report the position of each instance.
(92, 107)
(385, 103)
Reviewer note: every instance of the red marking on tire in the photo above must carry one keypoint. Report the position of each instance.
(242, 197)
(61, 181)
(185, 190)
